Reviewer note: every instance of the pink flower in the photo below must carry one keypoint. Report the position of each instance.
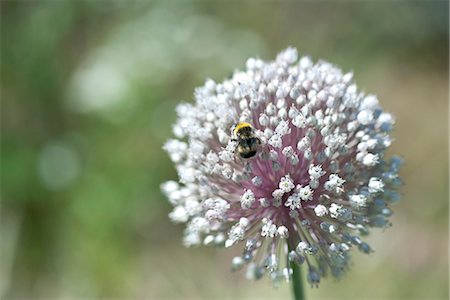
(319, 179)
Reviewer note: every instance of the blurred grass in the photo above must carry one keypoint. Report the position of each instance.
(97, 82)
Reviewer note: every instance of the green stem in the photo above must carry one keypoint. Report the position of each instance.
(297, 282)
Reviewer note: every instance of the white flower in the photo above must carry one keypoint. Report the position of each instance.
(275, 141)
(286, 184)
(334, 183)
(302, 247)
(304, 143)
(179, 215)
(293, 201)
(370, 159)
(247, 199)
(320, 210)
(257, 180)
(375, 185)
(358, 200)
(305, 193)
(319, 178)
(283, 232)
(268, 229)
(334, 210)
(282, 128)
(365, 117)
(315, 172)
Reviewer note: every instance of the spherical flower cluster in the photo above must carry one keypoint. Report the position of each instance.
(319, 180)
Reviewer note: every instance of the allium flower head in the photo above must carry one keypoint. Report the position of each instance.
(319, 180)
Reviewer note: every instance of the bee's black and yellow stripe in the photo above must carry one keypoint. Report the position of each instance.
(247, 141)
(243, 129)
(247, 147)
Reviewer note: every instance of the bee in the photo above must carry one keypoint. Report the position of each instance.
(248, 142)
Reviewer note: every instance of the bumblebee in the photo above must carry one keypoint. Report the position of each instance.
(248, 142)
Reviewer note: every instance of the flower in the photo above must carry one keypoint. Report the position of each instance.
(319, 180)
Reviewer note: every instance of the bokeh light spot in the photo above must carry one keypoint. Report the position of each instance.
(58, 166)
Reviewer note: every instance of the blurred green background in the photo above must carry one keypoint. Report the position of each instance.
(88, 90)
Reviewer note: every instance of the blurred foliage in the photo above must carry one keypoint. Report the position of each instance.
(88, 96)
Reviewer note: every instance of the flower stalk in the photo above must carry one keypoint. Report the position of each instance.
(298, 292)
(297, 282)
